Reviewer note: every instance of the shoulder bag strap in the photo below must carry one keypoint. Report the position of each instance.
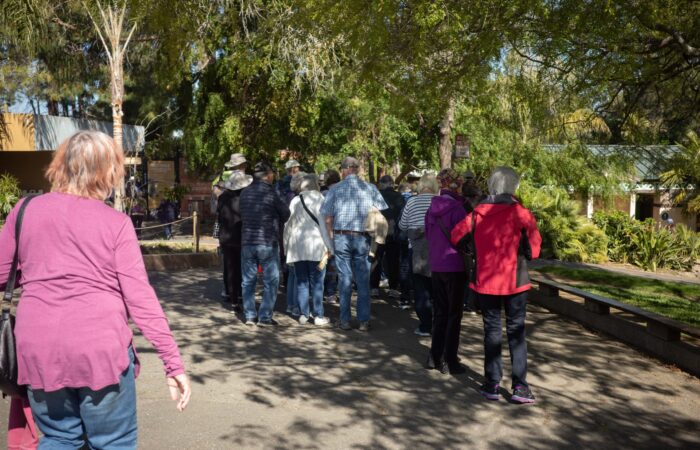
(10, 287)
(308, 211)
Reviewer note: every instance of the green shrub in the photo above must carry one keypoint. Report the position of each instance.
(10, 194)
(647, 244)
(566, 235)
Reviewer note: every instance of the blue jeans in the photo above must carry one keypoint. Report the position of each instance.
(292, 300)
(106, 416)
(423, 292)
(351, 255)
(268, 257)
(515, 306)
(331, 281)
(309, 281)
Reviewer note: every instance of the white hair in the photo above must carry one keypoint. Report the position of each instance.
(428, 184)
(503, 180)
(309, 182)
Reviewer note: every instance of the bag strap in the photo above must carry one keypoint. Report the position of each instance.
(308, 211)
(447, 233)
(10, 287)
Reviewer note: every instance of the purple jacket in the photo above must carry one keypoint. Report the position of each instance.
(448, 207)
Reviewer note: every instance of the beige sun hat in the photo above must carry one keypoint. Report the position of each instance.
(236, 160)
(238, 180)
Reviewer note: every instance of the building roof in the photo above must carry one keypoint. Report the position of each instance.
(649, 160)
(33, 132)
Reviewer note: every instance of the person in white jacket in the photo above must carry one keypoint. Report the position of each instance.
(308, 247)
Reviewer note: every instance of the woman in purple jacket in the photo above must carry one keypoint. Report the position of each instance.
(448, 275)
(83, 277)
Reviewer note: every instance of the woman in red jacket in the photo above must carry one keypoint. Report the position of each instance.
(505, 238)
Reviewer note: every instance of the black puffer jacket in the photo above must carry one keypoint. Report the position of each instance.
(228, 209)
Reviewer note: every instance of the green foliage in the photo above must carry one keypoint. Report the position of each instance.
(566, 235)
(10, 194)
(683, 174)
(176, 193)
(647, 244)
(679, 301)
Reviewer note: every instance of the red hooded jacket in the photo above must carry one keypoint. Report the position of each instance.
(501, 264)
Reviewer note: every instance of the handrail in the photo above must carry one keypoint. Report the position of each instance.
(602, 305)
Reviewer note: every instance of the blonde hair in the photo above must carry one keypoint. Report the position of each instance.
(87, 164)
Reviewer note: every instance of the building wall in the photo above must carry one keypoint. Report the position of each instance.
(28, 168)
(20, 133)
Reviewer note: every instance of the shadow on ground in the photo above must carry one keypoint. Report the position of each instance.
(326, 387)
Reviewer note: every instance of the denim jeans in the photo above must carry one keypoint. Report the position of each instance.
(351, 255)
(106, 416)
(406, 271)
(515, 306)
(268, 257)
(331, 280)
(423, 292)
(309, 281)
(292, 299)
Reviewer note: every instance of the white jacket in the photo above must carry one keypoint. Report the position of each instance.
(304, 240)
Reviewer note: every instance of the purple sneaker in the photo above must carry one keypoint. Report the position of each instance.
(522, 394)
(490, 391)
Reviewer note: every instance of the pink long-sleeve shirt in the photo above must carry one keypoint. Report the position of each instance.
(83, 277)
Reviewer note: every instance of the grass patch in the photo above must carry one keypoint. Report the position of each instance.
(679, 301)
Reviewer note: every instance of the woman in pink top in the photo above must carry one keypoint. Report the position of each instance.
(83, 277)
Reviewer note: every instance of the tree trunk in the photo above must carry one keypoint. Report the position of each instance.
(445, 148)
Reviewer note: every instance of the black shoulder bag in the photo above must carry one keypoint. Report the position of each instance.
(308, 211)
(8, 349)
(465, 247)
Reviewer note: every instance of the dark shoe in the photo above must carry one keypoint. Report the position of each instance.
(490, 391)
(456, 368)
(522, 394)
(430, 364)
(267, 323)
(236, 308)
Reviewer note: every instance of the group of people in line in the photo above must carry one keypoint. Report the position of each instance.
(83, 277)
(442, 245)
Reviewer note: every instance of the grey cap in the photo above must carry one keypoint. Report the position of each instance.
(349, 162)
(292, 163)
(468, 175)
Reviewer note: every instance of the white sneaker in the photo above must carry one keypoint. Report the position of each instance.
(364, 326)
(393, 293)
(374, 292)
(303, 320)
(384, 283)
(420, 333)
(320, 321)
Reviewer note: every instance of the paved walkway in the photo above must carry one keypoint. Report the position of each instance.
(302, 387)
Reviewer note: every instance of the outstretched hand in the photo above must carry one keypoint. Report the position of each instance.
(179, 387)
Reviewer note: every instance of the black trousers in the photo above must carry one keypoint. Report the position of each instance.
(232, 272)
(388, 258)
(448, 297)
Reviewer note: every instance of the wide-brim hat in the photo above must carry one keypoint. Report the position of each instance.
(238, 180)
(236, 160)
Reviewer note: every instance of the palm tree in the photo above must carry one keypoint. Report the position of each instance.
(682, 178)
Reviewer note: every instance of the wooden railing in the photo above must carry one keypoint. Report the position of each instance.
(668, 339)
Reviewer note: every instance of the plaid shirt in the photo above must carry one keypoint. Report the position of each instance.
(349, 202)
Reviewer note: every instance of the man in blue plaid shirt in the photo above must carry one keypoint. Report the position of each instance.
(345, 210)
